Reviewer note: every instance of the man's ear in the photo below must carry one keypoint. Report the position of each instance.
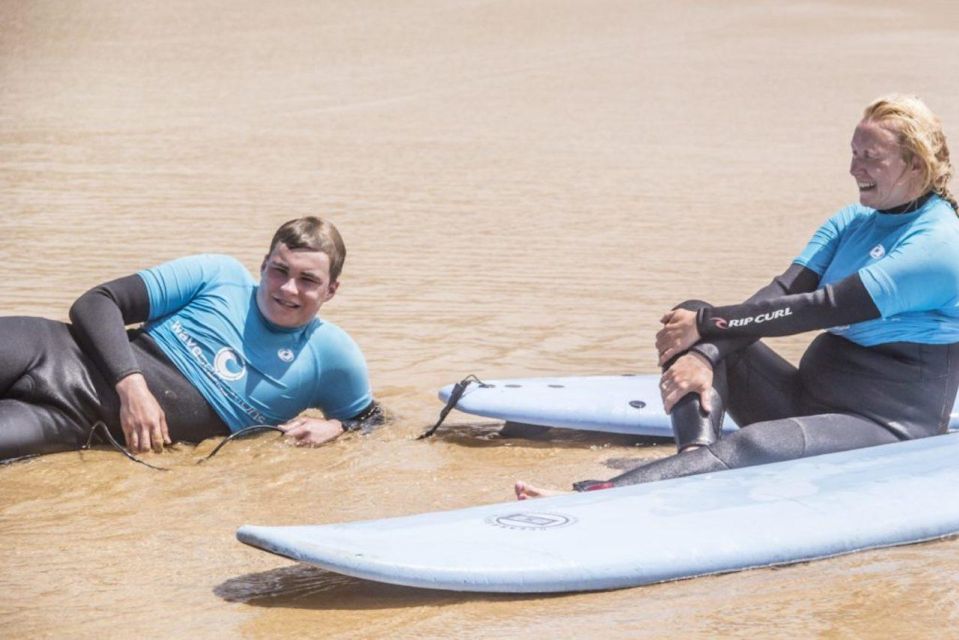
(331, 289)
(266, 259)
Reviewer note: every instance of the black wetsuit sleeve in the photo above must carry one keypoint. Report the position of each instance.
(367, 419)
(795, 279)
(845, 302)
(99, 320)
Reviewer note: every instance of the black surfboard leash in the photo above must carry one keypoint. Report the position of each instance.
(116, 445)
(126, 452)
(458, 390)
(242, 432)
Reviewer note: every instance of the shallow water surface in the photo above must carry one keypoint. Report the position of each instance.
(524, 188)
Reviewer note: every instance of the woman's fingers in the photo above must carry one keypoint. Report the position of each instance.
(687, 375)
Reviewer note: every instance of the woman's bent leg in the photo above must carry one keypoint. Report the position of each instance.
(762, 385)
(692, 425)
(753, 384)
(766, 442)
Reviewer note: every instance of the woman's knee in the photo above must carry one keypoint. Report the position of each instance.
(693, 305)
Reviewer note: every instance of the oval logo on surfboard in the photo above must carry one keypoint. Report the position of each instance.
(531, 521)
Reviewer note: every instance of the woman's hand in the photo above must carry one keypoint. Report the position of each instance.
(678, 334)
(691, 373)
(141, 417)
(311, 432)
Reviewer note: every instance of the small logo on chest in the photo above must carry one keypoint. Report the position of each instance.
(286, 355)
(877, 252)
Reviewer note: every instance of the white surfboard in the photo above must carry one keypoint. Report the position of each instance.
(628, 404)
(713, 523)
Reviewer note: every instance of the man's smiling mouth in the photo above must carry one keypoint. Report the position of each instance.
(284, 303)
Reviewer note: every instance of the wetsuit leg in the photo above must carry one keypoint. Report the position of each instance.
(766, 393)
(761, 443)
(753, 384)
(762, 385)
(51, 393)
(17, 354)
(692, 425)
(30, 429)
(47, 388)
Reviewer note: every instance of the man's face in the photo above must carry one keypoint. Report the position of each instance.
(294, 284)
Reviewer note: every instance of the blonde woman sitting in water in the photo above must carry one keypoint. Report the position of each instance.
(881, 277)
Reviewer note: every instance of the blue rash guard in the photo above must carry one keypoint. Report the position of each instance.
(886, 373)
(908, 262)
(204, 317)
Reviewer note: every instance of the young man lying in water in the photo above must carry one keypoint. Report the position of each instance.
(218, 352)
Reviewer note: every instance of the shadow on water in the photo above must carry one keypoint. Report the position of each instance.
(513, 434)
(304, 586)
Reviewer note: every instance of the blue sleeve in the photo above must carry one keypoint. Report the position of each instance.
(822, 247)
(921, 274)
(172, 285)
(344, 389)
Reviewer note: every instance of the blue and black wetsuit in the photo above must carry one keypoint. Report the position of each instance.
(210, 358)
(886, 286)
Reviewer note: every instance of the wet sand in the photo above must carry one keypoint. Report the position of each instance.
(524, 188)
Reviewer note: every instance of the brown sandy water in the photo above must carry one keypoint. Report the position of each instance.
(524, 187)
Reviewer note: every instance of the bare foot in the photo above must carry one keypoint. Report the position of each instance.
(526, 491)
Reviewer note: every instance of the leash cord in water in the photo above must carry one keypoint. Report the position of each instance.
(119, 447)
(242, 432)
(458, 389)
(116, 445)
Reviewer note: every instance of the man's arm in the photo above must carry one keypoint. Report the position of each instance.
(99, 318)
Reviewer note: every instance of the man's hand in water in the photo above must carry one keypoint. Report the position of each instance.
(310, 432)
(142, 419)
(678, 334)
(691, 373)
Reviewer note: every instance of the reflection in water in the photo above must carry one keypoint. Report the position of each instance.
(524, 188)
(299, 585)
(307, 587)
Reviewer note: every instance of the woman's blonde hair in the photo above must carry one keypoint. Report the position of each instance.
(921, 138)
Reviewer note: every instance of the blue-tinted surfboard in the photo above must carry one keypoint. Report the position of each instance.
(627, 404)
(713, 523)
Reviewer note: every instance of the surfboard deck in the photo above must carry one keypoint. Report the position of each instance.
(759, 516)
(627, 404)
